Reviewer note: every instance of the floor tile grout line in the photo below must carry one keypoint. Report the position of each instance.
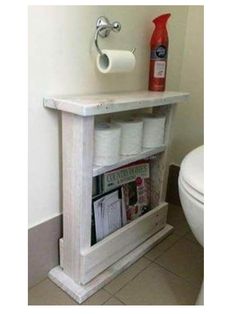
(151, 261)
(132, 278)
(195, 243)
(40, 282)
(118, 297)
(190, 283)
(107, 299)
(192, 241)
(180, 237)
(186, 280)
(112, 296)
(161, 253)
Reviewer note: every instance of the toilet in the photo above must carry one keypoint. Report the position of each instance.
(191, 192)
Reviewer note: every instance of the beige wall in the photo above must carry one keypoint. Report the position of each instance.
(62, 61)
(188, 124)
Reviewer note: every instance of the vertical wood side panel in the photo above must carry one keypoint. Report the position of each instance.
(163, 161)
(155, 180)
(77, 150)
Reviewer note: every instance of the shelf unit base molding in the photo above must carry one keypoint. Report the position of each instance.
(81, 292)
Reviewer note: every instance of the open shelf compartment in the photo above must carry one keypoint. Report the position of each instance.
(119, 243)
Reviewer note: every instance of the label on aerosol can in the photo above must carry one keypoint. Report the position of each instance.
(159, 55)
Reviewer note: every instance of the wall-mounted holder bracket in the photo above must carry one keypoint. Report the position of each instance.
(103, 29)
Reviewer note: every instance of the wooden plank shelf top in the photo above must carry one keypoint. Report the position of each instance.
(91, 105)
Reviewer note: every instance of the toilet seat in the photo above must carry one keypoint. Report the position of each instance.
(192, 169)
(191, 174)
(198, 196)
(191, 195)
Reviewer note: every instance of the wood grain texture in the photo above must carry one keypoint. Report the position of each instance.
(106, 252)
(77, 146)
(164, 167)
(156, 164)
(91, 105)
(155, 180)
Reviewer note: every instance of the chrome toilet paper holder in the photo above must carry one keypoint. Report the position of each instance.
(103, 29)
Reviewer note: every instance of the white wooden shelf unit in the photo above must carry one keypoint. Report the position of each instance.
(87, 268)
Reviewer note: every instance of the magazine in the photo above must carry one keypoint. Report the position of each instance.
(107, 214)
(134, 180)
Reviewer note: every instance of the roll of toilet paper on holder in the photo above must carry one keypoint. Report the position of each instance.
(106, 144)
(116, 61)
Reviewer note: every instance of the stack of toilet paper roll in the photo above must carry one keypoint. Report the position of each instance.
(131, 136)
(125, 137)
(106, 144)
(153, 131)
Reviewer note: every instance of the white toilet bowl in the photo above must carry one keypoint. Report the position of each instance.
(191, 192)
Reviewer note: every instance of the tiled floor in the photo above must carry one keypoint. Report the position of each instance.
(169, 274)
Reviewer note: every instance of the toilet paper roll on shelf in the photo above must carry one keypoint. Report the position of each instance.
(131, 135)
(153, 131)
(106, 144)
(116, 61)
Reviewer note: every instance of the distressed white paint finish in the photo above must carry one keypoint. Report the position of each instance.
(81, 292)
(157, 167)
(77, 146)
(106, 252)
(109, 103)
(124, 160)
(84, 266)
(163, 168)
(155, 180)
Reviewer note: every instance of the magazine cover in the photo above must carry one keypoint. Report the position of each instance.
(134, 180)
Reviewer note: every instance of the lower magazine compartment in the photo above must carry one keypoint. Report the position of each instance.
(107, 251)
